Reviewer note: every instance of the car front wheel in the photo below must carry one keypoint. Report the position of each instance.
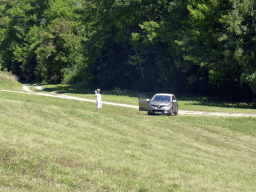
(177, 112)
(171, 113)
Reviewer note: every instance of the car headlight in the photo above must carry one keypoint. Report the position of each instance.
(168, 105)
(149, 104)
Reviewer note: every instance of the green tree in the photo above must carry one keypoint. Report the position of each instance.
(22, 19)
(112, 51)
(219, 38)
(30, 29)
(60, 49)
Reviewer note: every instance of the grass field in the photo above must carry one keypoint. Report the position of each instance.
(53, 144)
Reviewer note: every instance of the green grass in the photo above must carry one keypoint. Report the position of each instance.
(53, 144)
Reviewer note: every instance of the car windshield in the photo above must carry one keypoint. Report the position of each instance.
(162, 98)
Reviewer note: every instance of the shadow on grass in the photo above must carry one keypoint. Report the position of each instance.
(80, 89)
(191, 98)
(74, 89)
(212, 101)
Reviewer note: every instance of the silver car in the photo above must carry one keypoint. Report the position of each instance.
(161, 103)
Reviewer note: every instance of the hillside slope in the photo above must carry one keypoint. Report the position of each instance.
(53, 144)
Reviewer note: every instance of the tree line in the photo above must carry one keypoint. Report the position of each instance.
(179, 46)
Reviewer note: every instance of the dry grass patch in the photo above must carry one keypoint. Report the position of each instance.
(9, 81)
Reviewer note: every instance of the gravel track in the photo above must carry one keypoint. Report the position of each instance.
(181, 112)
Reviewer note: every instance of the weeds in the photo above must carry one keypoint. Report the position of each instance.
(9, 81)
(8, 76)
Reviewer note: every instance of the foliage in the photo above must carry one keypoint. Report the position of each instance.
(60, 50)
(220, 40)
(34, 34)
(205, 46)
(21, 36)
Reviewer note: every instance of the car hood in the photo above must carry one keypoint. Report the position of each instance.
(159, 103)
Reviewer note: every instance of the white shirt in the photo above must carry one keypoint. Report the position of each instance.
(98, 100)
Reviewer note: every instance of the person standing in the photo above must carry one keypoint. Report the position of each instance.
(98, 99)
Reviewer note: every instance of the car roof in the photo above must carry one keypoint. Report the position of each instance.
(167, 94)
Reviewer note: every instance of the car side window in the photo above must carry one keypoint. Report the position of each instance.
(166, 98)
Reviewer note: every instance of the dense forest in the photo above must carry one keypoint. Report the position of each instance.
(180, 46)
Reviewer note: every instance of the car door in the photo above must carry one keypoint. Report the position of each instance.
(174, 103)
(143, 102)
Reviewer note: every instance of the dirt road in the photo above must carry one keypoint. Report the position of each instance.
(181, 112)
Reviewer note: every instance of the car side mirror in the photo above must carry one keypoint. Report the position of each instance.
(174, 101)
(148, 100)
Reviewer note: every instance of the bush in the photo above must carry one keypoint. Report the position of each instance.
(8, 80)
(74, 76)
(253, 103)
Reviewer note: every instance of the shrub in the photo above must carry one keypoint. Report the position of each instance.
(74, 76)
(8, 80)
